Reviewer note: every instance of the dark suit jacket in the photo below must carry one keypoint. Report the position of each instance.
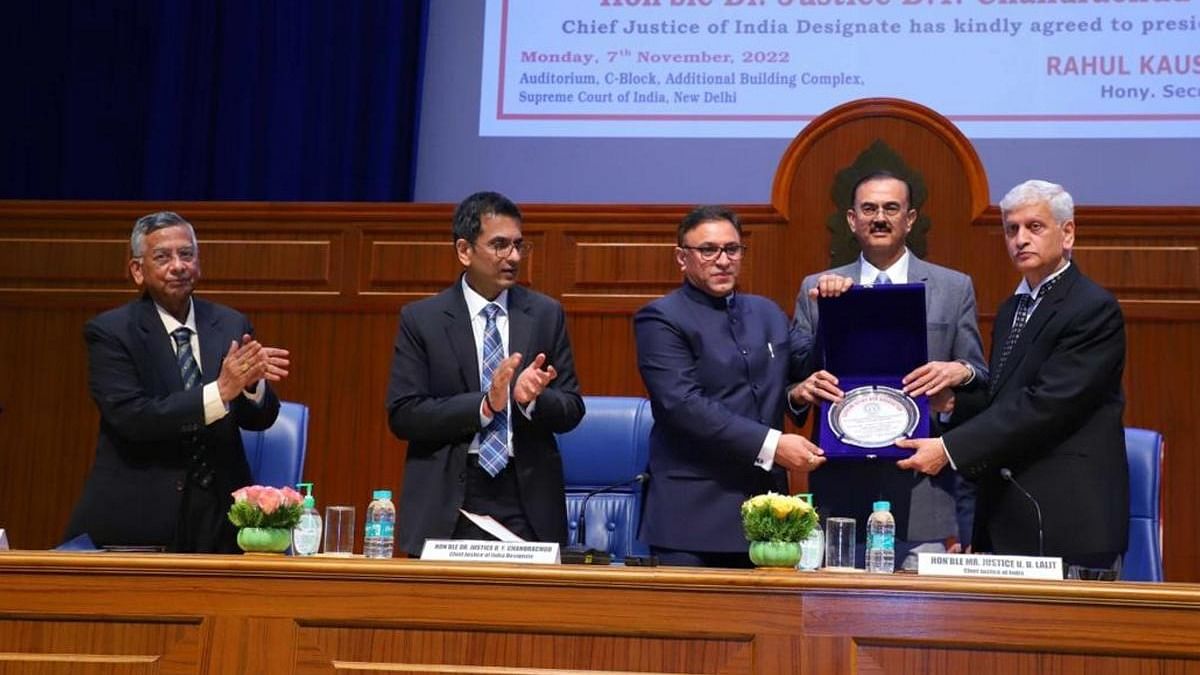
(717, 379)
(150, 428)
(433, 403)
(1055, 422)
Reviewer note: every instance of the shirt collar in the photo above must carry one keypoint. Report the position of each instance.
(476, 302)
(711, 300)
(170, 323)
(1023, 287)
(898, 272)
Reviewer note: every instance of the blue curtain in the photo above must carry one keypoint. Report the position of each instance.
(309, 100)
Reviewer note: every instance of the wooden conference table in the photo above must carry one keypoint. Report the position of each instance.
(123, 613)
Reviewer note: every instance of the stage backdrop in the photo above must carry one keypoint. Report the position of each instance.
(327, 281)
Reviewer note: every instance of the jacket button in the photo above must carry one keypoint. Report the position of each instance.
(179, 486)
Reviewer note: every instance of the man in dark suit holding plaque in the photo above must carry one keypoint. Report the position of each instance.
(716, 363)
(1049, 420)
(930, 510)
(482, 378)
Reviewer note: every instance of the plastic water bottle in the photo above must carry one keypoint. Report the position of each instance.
(881, 539)
(381, 525)
(306, 536)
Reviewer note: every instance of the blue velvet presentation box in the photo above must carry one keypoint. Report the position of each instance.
(871, 336)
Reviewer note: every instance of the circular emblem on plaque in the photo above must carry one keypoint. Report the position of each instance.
(873, 417)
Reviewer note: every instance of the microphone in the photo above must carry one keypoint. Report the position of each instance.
(579, 553)
(1007, 475)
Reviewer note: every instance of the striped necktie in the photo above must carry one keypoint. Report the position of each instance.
(493, 441)
(1024, 309)
(189, 372)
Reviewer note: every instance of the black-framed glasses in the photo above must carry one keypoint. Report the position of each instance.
(505, 247)
(890, 209)
(710, 252)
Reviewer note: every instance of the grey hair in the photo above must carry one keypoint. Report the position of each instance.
(152, 222)
(1062, 206)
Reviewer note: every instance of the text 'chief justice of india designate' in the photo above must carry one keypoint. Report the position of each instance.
(175, 378)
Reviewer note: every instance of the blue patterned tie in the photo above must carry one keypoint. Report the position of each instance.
(882, 279)
(188, 370)
(493, 441)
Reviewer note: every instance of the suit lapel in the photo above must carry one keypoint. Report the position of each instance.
(461, 337)
(212, 342)
(520, 325)
(918, 273)
(1045, 311)
(157, 345)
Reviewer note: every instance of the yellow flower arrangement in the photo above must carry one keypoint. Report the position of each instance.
(776, 517)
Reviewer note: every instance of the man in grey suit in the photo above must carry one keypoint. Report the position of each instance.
(931, 511)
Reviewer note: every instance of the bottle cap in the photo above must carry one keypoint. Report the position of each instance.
(882, 506)
(381, 494)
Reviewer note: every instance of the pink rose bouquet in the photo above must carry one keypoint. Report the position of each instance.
(264, 506)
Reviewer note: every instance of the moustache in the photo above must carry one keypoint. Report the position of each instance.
(881, 226)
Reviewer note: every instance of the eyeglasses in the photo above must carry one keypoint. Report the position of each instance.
(505, 247)
(710, 252)
(890, 209)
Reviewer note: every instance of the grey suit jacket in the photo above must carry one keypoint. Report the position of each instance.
(952, 333)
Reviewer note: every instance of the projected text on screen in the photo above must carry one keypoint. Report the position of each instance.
(764, 68)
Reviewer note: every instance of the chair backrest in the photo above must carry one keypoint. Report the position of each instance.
(611, 445)
(276, 455)
(1143, 555)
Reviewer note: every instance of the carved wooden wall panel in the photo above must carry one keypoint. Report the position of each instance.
(328, 280)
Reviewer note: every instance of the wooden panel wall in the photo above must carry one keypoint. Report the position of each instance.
(327, 281)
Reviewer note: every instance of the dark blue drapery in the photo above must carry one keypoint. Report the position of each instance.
(210, 99)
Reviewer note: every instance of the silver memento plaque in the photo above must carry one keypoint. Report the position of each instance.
(874, 416)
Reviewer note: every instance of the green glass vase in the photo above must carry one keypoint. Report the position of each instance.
(264, 539)
(775, 553)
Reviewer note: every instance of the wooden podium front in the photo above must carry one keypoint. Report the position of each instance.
(114, 613)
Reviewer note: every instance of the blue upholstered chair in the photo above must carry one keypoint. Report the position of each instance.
(611, 445)
(276, 456)
(1143, 556)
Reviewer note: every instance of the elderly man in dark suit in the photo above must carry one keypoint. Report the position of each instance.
(1049, 420)
(716, 363)
(175, 378)
(482, 379)
(930, 511)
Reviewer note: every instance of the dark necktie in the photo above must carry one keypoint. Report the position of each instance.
(493, 442)
(189, 372)
(1024, 309)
